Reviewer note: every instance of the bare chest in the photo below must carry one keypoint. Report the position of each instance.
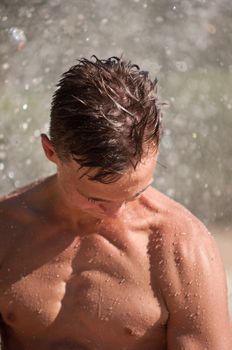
(93, 292)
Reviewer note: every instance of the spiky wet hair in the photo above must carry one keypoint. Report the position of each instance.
(105, 114)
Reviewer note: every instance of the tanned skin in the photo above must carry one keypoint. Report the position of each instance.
(133, 270)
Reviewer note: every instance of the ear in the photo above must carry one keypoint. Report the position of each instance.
(48, 149)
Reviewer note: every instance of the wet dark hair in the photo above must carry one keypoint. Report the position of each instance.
(105, 114)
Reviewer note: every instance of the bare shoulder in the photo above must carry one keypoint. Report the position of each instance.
(181, 239)
(14, 214)
(11, 214)
(176, 225)
(191, 277)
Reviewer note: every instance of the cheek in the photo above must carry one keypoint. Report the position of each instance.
(84, 204)
(75, 198)
(80, 201)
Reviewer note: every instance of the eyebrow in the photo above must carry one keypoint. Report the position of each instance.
(105, 200)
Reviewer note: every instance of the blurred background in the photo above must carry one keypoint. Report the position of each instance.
(186, 44)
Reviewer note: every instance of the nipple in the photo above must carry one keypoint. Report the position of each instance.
(129, 331)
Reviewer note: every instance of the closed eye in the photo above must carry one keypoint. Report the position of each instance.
(93, 200)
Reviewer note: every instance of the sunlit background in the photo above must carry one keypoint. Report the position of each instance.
(186, 44)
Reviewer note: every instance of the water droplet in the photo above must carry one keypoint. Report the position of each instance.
(37, 133)
(104, 318)
(104, 20)
(194, 135)
(24, 126)
(17, 183)
(2, 166)
(18, 37)
(122, 281)
(171, 192)
(37, 80)
(5, 66)
(181, 66)
(11, 174)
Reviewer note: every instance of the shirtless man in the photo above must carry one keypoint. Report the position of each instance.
(93, 257)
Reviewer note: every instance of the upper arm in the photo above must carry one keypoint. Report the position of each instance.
(7, 237)
(4, 231)
(193, 284)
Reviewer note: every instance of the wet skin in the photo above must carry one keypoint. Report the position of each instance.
(133, 270)
(108, 285)
(90, 289)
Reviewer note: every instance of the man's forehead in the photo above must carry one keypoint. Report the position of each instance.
(128, 185)
(128, 192)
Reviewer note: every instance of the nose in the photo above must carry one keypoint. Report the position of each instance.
(112, 209)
